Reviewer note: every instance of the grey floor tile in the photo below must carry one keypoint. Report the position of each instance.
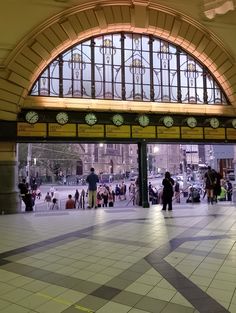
(106, 292)
(176, 308)
(151, 305)
(91, 303)
(127, 298)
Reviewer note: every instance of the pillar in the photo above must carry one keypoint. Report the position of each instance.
(143, 177)
(9, 195)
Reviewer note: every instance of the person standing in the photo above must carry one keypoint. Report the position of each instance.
(229, 188)
(167, 195)
(177, 192)
(210, 181)
(48, 199)
(76, 198)
(92, 180)
(26, 195)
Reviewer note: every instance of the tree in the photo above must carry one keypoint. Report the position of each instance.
(53, 160)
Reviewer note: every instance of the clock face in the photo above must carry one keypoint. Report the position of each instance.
(62, 118)
(143, 120)
(117, 119)
(234, 123)
(32, 117)
(90, 119)
(191, 122)
(168, 121)
(214, 122)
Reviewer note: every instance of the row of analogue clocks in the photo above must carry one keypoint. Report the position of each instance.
(62, 118)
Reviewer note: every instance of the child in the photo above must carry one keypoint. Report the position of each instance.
(54, 205)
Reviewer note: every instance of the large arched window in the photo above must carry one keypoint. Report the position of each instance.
(125, 66)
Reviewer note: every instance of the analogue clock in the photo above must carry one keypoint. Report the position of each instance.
(143, 120)
(62, 118)
(191, 122)
(168, 121)
(214, 122)
(117, 119)
(90, 119)
(234, 123)
(32, 117)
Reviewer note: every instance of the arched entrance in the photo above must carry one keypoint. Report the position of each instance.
(44, 44)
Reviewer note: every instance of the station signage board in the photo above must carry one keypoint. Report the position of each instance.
(86, 131)
(168, 133)
(118, 132)
(192, 133)
(55, 130)
(31, 130)
(143, 132)
(214, 133)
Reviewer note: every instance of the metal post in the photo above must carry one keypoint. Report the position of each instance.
(143, 183)
(29, 156)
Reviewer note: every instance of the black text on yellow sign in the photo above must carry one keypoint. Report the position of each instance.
(31, 130)
(86, 131)
(118, 132)
(143, 132)
(68, 130)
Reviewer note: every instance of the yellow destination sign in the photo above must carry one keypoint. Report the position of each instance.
(55, 130)
(90, 131)
(192, 133)
(168, 133)
(118, 132)
(143, 132)
(231, 133)
(31, 130)
(214, 133)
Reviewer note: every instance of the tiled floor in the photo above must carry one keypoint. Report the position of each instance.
(120, 260)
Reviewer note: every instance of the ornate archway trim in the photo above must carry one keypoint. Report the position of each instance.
(78, 23)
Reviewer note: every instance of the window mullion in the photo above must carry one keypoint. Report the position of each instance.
(60, 76)
(123, 66)
(92, 69)
(179, 93)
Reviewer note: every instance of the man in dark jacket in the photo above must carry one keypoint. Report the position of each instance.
(92, 180)
(26, 195)
(167, 195)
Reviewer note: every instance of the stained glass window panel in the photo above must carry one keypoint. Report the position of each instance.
(169, 72)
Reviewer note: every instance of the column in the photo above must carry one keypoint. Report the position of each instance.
(143, 177)
(9, 194)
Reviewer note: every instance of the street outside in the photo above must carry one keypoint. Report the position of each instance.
(64, 190)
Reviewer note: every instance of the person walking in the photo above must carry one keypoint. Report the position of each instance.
(167, 195)
(92, 180)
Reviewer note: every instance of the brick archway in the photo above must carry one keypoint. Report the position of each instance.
(80, 22)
